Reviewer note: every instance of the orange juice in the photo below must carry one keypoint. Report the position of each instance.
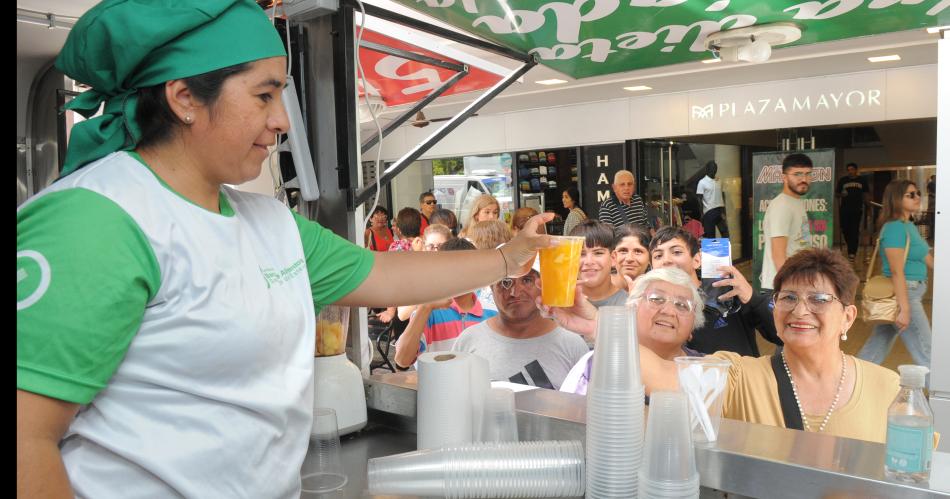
(559, 267)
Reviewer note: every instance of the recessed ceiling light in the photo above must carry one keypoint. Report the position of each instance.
(885, 58)
(712, 61)
(638, 88)
(937, 29)
(551, 82)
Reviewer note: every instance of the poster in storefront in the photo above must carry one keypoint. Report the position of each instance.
(598, 167)
(819, 202)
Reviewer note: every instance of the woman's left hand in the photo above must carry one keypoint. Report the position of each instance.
(520, 252)
(740, 286)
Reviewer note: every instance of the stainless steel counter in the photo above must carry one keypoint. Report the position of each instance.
(750, 460)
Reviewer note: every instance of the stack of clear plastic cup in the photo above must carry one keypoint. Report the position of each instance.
(500, 421)
(514, 469)
(614, 408)
(669, 467)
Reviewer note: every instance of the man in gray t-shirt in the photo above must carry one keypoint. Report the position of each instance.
(520, 345)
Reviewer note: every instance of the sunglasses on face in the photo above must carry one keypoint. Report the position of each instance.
(816, 303)
(430, 202)
(525, 281)
(912, 194)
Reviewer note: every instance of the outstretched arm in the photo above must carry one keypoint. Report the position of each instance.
(424, 277)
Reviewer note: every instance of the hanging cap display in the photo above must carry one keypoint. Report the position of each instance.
(120, 46)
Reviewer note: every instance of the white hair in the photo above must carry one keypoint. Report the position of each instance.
(674, 276)
(623, 173)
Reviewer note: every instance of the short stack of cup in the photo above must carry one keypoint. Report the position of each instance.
(669, 465)
(614, 408)
(506, 469)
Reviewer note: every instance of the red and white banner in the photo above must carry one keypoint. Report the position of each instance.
(401, 81)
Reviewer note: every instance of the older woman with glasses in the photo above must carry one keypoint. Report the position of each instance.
(812, 384)
(669, 308)
(905, 258)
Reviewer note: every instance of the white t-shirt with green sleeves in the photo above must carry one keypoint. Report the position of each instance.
(186, 335)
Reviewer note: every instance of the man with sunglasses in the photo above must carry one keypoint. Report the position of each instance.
(427, 206)
(785, 228)
(520, 345)
(729, 327)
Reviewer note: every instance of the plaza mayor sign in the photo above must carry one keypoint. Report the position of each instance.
(760, 107)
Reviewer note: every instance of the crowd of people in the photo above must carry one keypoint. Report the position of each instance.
(625, 260)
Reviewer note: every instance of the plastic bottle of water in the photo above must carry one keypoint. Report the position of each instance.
(910, 429)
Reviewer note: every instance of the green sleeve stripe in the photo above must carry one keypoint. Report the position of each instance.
(336, 266)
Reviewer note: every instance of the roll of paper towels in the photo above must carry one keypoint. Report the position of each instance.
(481, 386)
(443, 403)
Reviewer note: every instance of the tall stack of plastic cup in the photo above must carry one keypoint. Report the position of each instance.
(669, 465)
(614, 408)
(510, 469)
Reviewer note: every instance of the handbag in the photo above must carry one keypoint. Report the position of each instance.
(879, 303)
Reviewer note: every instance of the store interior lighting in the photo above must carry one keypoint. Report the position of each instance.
(553, 81)
(885, 58)
(937, 29)
(638, 88)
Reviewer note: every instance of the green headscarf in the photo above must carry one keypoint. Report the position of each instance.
(120, 46)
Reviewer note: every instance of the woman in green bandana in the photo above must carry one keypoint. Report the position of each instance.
(165, 322)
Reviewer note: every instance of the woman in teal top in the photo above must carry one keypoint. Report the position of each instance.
(901, 200)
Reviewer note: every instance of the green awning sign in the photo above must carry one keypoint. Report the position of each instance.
(584, 38)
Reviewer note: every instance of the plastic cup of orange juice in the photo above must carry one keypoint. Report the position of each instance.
(559, 267)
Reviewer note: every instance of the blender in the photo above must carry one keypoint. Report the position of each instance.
(337, 382)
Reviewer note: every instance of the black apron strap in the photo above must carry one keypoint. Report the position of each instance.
(786, 396)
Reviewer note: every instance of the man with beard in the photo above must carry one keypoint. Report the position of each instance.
(786, 226)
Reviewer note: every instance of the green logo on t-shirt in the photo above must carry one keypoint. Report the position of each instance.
(273, 277)
(33, 276)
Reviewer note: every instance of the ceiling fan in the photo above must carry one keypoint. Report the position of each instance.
(420, 121)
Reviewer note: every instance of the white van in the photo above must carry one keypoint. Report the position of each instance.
(458, 192)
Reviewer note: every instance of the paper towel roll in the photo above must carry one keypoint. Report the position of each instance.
(443, 402)
(481, 385)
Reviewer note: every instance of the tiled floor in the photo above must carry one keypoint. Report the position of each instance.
(859, 331)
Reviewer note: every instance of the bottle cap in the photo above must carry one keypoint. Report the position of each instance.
(913, 376)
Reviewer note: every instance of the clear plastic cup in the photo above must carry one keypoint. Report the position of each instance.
(513, 469)
(559, 267)
(322, 469)
(500, 421)
(669, 460)
(703, 380)
(616, 354)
